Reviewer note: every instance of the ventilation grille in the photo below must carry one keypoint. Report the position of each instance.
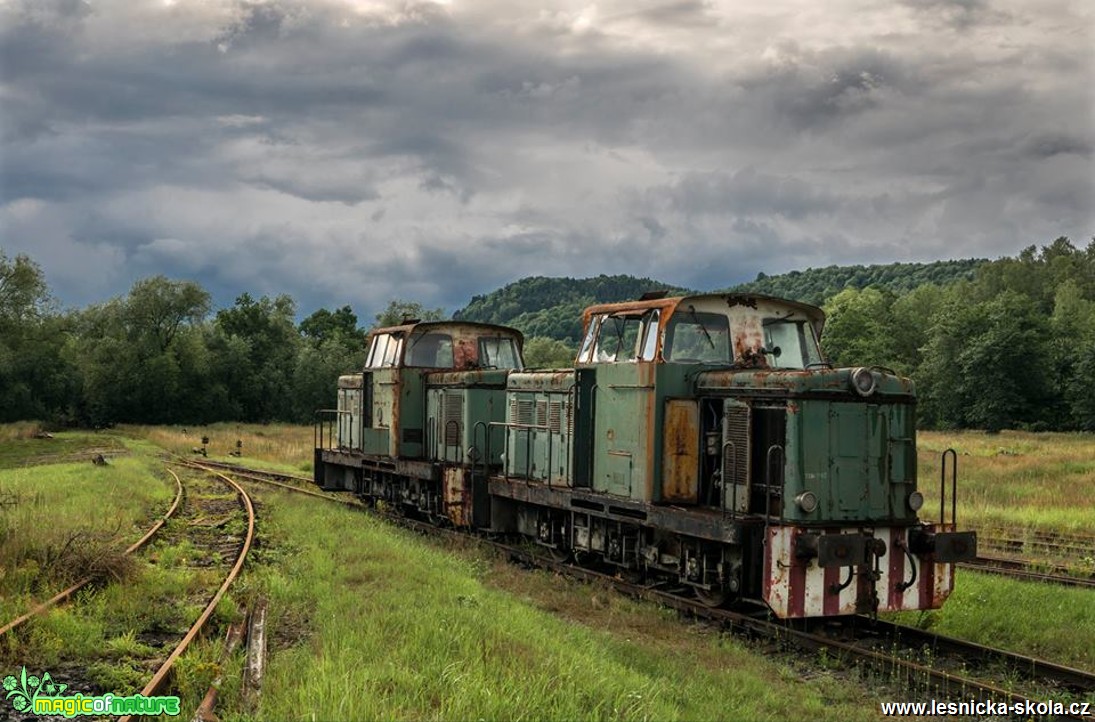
(555, 417)
(452, 416)
(735, 461)
(521, 412)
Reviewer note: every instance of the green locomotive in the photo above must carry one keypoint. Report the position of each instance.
(702, 440)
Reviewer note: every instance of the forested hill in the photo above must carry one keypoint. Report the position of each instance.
(817, 285)
(552, 307)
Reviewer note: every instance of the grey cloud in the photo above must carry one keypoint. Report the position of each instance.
(1048, 145)
(748, 192)
(417, 150)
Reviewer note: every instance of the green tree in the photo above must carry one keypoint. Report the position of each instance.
(261, 378)
(987, 365)
(34, 379)
(398, 311)
(859, 328)
(339, 325)
(541, 352)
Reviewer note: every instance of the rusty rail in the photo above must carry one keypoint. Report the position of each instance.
(67, 593)
(205, 713)
(161, 674)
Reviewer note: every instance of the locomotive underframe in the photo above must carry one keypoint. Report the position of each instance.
(702, 549)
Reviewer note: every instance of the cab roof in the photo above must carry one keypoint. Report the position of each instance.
(669, 305)
(486, 328)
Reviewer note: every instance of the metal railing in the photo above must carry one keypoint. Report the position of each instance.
(943, 487)
(326, 425)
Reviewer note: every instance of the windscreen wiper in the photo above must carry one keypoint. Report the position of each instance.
(696, 318)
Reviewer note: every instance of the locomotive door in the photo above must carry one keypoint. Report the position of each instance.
(624, 412)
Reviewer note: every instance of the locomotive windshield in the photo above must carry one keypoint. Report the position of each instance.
(697, 337)
(789, 343)
(498, 352)
(430, 350)
(385, 351)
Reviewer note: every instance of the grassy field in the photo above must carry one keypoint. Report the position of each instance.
(289, 447)
(69, 518)
(372, 622)
(59, 519)
(1041, 620)
(1015, 479)
(368, 621)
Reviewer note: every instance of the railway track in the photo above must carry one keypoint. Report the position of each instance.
(1029, 570)
(1032, 541)
(898, 651)
(204, 516)
(66, 594)
(156, 683)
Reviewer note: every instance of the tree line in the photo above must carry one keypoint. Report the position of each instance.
(1013, 347)
(160, 355)
(990, 344)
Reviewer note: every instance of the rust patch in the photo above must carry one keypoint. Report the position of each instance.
(680, 451)
(748, 342)
(457, 496)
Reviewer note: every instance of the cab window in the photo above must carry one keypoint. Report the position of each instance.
(586, 354)
(789, 343)
(499, 353)
(618, 338)
(697, 337)
(385, 351)
(430, 350)
(650, 336)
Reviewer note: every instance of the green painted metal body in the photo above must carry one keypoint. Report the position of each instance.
(462, 408)
(396, 423)
(856, 454)
(539, 434)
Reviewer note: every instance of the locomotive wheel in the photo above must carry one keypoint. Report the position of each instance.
(559, 555)
(711, 597)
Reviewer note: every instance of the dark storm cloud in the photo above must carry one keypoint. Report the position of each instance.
(355, 151)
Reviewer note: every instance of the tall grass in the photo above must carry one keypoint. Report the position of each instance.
(282, 444)
(59, 518)
(1014, 479)
(1042, 620)
(368, 622)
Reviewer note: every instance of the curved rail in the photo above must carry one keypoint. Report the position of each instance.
(67, 593)
(1031, 668)
(161, 674)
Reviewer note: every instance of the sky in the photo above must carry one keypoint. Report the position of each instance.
(356, 151)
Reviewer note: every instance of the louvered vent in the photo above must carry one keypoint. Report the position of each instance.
(452, 415)
(555, 417)
(541, 413)
(735, 462)
(521, 412)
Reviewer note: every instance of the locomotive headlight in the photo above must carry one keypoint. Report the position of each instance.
(864, 381)
(916, 501)
(807, 501)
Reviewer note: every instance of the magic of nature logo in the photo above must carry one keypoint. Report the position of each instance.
(44, 696)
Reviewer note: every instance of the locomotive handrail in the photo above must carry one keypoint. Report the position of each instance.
(330, 417)
(943, 487)
(486, 443)
(768, 485)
